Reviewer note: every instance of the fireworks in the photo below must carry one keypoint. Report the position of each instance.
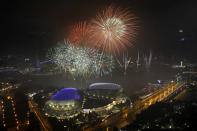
(80, 33)
(81, 61)
(113, 30)
(124, 62)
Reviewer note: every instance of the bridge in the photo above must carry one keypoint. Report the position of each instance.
(127, 115)
(189, 72)
(159, 95)
(8, 69)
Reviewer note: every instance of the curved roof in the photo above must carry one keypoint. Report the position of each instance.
(111, 86)
(66, 94)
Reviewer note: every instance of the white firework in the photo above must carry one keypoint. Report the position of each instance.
(80, 61)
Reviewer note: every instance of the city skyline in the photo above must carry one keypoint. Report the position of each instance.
(98, 65)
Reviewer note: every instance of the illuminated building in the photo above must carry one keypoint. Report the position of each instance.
(64, 104)
(105, 90)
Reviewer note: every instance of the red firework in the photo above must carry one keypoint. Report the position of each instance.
(80, 33)
(113, 30)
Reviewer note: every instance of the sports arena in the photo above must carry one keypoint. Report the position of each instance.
(65, 103)
(103, 99)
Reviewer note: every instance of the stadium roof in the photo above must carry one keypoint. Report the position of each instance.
(110, 86)
(66, 94)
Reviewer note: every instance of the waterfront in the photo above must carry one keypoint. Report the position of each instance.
(133, 84)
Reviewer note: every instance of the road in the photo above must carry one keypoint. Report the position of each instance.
(127, 115)
(46, 126)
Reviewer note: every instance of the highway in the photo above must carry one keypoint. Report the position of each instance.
(127, 115)
(44, 123)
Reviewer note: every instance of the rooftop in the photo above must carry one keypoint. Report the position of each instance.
(66, 94)
(111, 86)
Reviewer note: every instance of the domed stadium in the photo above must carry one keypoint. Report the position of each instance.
(104, 99)
(64, 104)
(105, 90)
(109, 86)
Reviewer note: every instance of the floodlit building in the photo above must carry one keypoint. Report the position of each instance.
(65, 103)
(105, 90)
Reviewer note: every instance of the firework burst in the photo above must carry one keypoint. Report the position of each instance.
(80, 33)
(80, 61)
(113, 30)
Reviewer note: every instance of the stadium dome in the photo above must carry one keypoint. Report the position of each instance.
(66, 94)
(64, 103)
(110, 86)
(105, 90)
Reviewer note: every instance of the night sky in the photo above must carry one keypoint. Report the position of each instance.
(31, 27)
